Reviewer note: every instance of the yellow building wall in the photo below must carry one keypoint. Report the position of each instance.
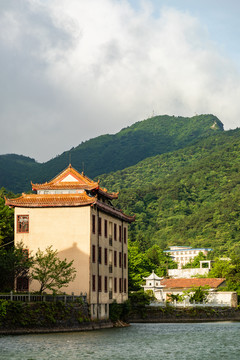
(67, 230)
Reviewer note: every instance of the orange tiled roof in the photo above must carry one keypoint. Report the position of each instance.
(107, 194)
(64, 185)
(193, 282)
(114, 211)
(81, 182)
(51, 200)
(64, 200)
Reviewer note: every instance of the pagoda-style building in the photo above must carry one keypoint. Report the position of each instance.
(75, 216)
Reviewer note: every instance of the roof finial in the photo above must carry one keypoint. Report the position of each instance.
(70, 155)
(83, 167)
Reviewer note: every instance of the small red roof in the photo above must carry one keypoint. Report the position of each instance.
(193, 282)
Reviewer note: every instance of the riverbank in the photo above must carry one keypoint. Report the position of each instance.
(40, 330)
(181, 315)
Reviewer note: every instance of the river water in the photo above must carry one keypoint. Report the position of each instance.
(139, 341)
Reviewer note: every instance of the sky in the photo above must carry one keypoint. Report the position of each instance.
(72, 70)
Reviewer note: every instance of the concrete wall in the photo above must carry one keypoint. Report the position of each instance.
(103, 270)
(67, 230)
(187, 273)
(218, 298)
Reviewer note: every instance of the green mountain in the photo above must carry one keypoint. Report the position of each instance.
(186, 197)
(157, 135)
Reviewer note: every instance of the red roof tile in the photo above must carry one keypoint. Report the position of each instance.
(193, 282)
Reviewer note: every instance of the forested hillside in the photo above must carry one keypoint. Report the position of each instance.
(157, 135)
(186, 197)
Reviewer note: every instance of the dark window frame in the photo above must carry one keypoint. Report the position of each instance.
(93, 253)
(99, 283)
(105, 256)
(99, 255)
(93, 283)
(105, 228)
(21, 227)
(93, 224)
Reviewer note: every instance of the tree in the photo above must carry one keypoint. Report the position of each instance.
(198, 294)
(50, 271)
(6, 219)
(195, 263)
(14, 263)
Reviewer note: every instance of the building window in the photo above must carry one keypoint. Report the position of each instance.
(125, 235)
(22, 223)
(93, 224)
(115, 258)
(120, 233)
(105, 256)
(125, 285)
(115, 285)
(99, 255)
(93, 253)
(99, 226)
(120, 259)
(22, 283)
(105, 228)
(106, 309)
(99, 283)
(105, 284)
(115, 232)
(93, 283)
(120, 285)
(125, 261)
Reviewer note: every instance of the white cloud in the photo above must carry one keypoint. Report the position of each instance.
(76, 69)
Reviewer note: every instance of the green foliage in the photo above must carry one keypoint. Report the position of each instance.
(141, 264)
(198, 294)
(3, 309)
(6, 219)
(106, 153)
(43, 314)
(51, 272)
(187, 197)
(140, 298)
(195, 263)
(13, 263)
(228, 269)
(177, 297)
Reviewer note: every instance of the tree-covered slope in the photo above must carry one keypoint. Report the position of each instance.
(106, 153)
(187, 197)
(17, 171)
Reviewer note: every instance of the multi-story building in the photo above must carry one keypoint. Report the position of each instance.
(75, 216)
(184, 254)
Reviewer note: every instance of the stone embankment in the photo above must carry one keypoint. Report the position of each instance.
(29, 318)
(175, 315)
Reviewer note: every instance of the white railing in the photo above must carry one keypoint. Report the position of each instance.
(30, 297)
(185, 304)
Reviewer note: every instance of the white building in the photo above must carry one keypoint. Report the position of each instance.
(153, 283)
(184, 254)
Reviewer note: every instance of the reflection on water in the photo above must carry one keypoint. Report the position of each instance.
(139, 341)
